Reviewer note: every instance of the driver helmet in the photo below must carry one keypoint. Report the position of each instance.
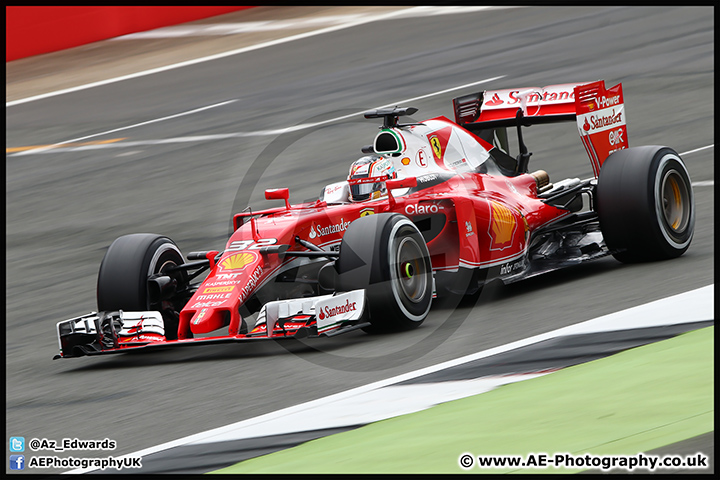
(367, 177)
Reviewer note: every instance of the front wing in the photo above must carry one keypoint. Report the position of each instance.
(102, 333)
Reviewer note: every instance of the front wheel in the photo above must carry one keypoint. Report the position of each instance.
(386, 255)
(123, 280)
(645, 204)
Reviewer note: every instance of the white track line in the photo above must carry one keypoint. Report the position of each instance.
(703, 183)
(57, 147)
(304, 126)
(115, 130)
(712, 145)
(350, 21)
(274, 132)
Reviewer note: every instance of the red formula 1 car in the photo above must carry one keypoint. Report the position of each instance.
(434, 208)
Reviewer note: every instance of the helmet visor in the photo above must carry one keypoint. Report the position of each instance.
(361, 186)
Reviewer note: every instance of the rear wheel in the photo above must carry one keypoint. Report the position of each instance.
(386, 255)
(125, 273)
(645, 204)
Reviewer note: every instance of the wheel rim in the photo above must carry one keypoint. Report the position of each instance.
(411, 270)
(675, 200)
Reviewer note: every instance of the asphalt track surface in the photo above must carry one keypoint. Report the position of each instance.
(64, 207)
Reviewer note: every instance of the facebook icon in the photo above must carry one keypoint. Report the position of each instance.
(17, 462)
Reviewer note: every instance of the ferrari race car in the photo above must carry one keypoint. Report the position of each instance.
(435, 208)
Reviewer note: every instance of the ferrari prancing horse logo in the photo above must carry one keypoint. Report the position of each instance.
(439, 140)
(435, 142)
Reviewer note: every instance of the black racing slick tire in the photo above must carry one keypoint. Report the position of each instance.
(386, 255)
(645, 204)
(124, 273)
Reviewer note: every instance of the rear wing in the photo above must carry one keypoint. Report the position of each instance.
(598, 112)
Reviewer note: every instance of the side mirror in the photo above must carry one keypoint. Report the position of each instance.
(398, 183)
(278, 194)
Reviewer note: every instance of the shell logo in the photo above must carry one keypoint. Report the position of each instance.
(502, 226)
(238, 261)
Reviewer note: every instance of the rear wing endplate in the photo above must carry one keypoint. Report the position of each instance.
(598, 112)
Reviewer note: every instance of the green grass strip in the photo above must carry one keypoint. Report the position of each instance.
(631, 402)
